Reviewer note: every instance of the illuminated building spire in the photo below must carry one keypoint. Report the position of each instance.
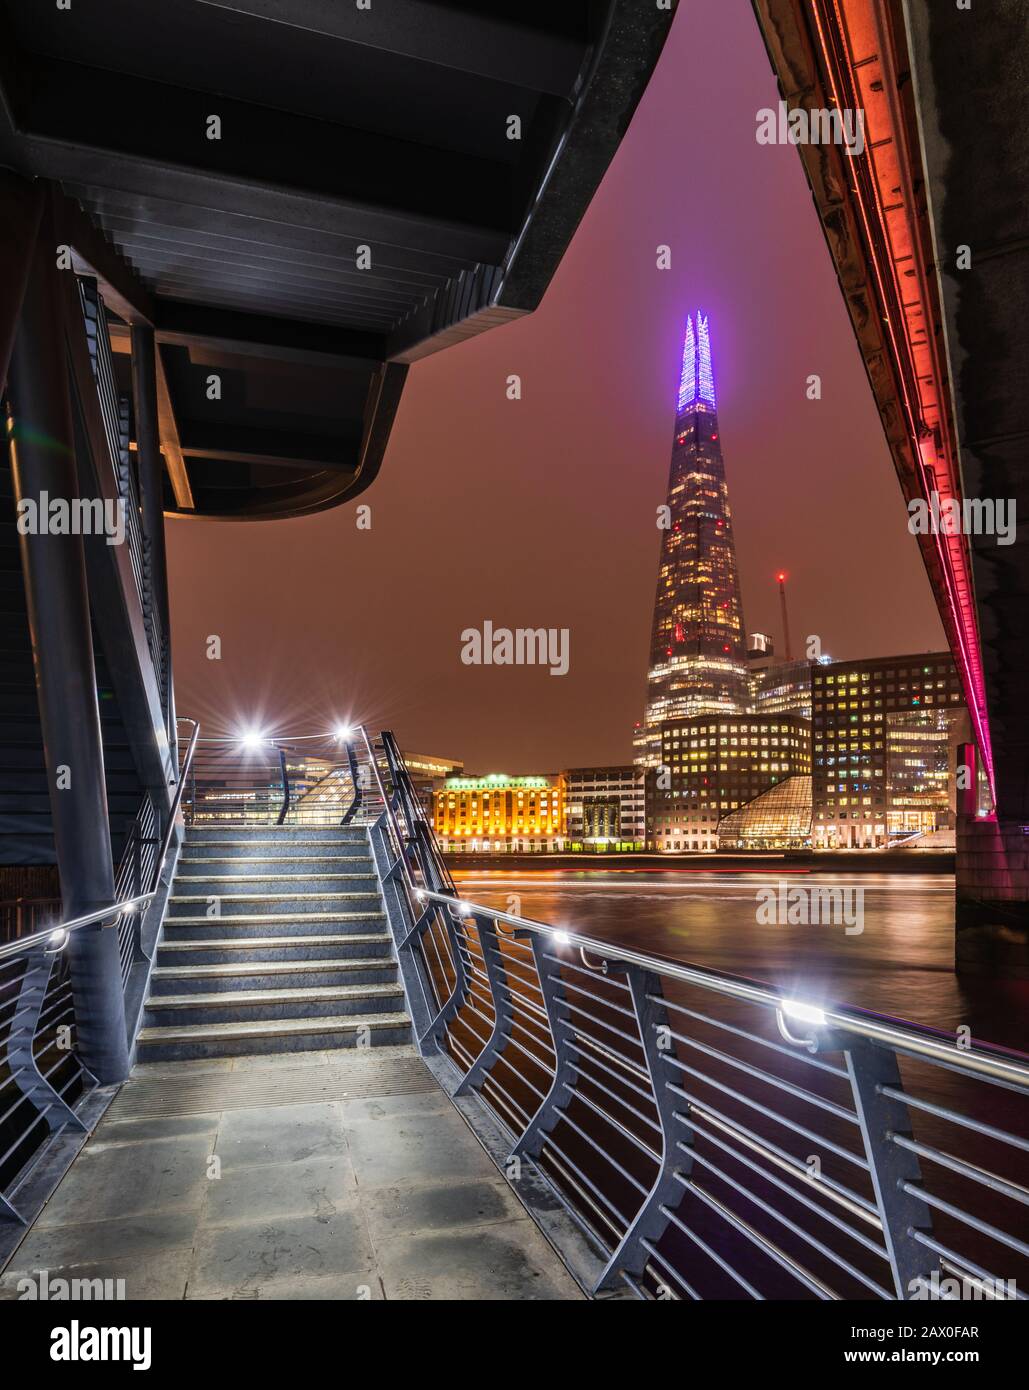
(705, 377)
(697, 383)
(688, 380)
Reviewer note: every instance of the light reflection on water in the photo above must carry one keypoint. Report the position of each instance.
(901, 963)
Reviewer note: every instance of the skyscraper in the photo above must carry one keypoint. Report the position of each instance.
(698, 661)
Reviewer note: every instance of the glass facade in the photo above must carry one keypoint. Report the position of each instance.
(853, 704)
(779, 818)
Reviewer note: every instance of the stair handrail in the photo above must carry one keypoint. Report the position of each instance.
(54, 939)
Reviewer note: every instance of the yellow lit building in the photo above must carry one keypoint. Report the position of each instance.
(501, 814)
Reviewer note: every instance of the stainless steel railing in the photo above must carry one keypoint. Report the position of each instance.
(710, 1136)
(42, 1077)
(306, 779)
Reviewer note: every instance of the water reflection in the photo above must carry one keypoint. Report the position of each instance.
(901, 962)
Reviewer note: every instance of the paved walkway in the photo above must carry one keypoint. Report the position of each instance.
(341, 1175)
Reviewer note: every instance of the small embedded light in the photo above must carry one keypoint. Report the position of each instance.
(420, 894)
(803, 1013)
(57, 939)
(562, 938)
(252, 738)
(344, 732)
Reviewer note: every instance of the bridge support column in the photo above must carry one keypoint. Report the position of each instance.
(991, 887)
(43, 461)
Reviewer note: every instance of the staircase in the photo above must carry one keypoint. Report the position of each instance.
(299, 956)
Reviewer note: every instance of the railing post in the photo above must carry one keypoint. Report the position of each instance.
(406, 929)
(285, 786)
(456, 999)
(555, 1003)
(870, 1067)
(650, 1223)
(355, 805)
(29, 1080)
(500, 994)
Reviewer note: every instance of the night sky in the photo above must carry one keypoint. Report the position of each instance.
(541, 512)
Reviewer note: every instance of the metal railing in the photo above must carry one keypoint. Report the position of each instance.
(307, 779)
(711, 1137)
(42, 1076)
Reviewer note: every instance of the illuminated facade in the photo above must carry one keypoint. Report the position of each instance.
(921, 756)
(698, 662)
(710, 766)
(784, 688)
(498, 814)
(853, 704)
(605, 808)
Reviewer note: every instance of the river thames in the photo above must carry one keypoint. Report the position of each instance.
(900, 962)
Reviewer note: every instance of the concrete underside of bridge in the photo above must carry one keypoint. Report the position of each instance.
(306, 1176)
(926, 228)
(299, 200)
(976, 153)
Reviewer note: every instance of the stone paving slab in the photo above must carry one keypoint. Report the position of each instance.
(378, 1197)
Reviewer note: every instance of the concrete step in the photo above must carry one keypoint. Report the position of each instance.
(235, 976)
(275, 849)
(181, 1043)
(239, 1006)
(273, 924)
(193, 864)
(270, 885)
(216, 951)
(262, 904)
(277, 834)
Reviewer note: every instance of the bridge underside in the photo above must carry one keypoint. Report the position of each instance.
(926, 227)
(301, 200)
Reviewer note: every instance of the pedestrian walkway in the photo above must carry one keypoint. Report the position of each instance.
(317, 1175)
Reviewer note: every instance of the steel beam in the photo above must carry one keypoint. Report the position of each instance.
(151, 487)
(171, 445)
(521, 53)
(69, 111)
(21, 204)
(41, 433)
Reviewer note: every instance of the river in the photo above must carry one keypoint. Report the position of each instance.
(900, 962)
